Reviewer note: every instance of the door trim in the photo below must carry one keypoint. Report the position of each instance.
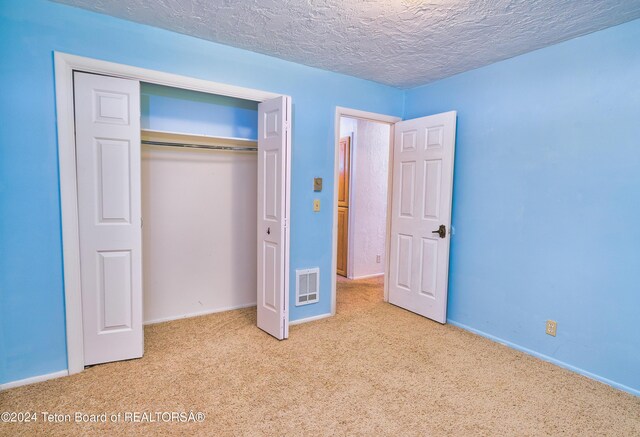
(371, 116)
(64, 66)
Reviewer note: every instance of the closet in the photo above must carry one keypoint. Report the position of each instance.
(182, 209)
(199, 202)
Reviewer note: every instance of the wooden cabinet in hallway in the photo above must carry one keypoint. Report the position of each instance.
(343, 204)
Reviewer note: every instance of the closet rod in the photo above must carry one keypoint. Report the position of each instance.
(200, 146)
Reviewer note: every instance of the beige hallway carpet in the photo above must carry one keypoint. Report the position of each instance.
(372, 370)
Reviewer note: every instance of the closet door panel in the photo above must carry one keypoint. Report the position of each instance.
(109, 210)
(274, 140)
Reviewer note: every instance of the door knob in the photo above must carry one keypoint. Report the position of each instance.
(268, 231)
(442, 231)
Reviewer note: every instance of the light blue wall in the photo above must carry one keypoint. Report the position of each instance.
(547, 185)
(547, 200)
(32, 334)
(176, 110)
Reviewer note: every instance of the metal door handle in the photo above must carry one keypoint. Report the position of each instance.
(268, 231)
(442, 231)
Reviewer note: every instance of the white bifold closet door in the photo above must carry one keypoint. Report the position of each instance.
(421, 214)
(107, 114)
(274, 157)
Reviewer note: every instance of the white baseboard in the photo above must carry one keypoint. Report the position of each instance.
(309, 319)
(33, 379)
(355, 278)
(199, 313)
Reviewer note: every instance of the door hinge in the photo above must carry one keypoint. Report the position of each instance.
(287, 125)
(285, 223)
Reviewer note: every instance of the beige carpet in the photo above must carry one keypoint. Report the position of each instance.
(374, 369)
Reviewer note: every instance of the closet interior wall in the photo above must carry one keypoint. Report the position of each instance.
(198, 206)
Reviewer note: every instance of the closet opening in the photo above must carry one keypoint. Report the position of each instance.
(199, 202)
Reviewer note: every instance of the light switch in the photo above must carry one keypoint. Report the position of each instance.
(316, 205)
(317, 184)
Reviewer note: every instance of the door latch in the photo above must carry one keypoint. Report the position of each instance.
(442, 231)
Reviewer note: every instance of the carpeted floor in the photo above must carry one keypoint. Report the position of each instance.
(373, 369)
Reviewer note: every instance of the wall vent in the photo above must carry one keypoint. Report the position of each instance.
(307, 286)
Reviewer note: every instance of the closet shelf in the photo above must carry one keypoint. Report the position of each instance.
(204, 140)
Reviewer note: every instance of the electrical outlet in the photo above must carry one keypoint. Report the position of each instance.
(378, 258)
(316, 205)
(552, 325)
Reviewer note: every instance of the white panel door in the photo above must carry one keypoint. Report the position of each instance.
(274, 157)
(421, 214)
(107, 115)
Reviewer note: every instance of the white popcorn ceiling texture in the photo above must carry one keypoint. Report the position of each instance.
(403, 43)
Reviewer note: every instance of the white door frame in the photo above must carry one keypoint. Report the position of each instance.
(65, 65)
(371, 116)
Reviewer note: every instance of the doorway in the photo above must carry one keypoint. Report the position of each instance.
(346, 135)
(363, 166)
(418, 212)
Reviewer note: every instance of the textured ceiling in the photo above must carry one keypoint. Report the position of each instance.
(402, 43)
